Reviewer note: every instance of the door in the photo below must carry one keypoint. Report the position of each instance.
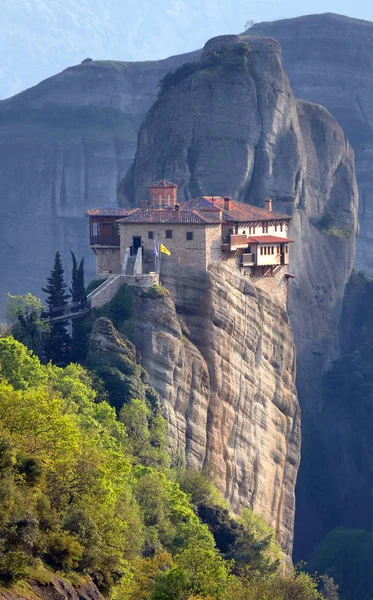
(136, 243)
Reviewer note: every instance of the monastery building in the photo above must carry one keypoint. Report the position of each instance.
(193, 233)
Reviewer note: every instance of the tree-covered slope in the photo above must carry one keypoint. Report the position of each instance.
(91, 495)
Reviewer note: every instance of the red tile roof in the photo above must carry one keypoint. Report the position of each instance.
(268, 239)
(239, 211)
(197, 210)
(153, 215)
(163, 184)
(108, 212)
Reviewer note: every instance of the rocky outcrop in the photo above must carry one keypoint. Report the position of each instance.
(227, 387)
(238, 130)
(64, 146)
(232, 126)
(329, 59)
(53, 588)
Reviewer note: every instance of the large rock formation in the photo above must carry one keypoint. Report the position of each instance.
(329, 60)
(64, 146)
(227, 386)
(238, 130)
(232, 126)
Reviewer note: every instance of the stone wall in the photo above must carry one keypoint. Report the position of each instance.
(196, 253)
(107, 259)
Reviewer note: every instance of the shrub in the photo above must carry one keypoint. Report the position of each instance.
(13, 567)
(94, 284)
(63, 550)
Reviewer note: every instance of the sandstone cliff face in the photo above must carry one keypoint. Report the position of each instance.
(64, 146)
(229, 390)
(329, 59)
(234, 127)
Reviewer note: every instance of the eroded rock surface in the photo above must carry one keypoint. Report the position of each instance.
(228, 390)
(233, 127)
(54, 589)
(64, 146)
(329, 60)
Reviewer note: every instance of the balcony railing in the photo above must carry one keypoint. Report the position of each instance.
(105, 238)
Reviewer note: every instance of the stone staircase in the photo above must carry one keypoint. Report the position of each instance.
(130, 265)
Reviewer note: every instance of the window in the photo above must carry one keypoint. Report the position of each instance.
(189, 236)
(168, 234)
(265, 228)
(118, 228)
(150, 235)
(275, 226)
(286, 249)
(169, 200)
(94, 228)
(254, 230)
(273, 250)
(249, 249)
(265, 249)
(281, 226)
(160, 200)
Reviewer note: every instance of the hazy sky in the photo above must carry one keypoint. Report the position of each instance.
(269, 10)
(39, 38)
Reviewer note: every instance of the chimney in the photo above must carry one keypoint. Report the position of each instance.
(212, 200)
(144, 204)
(268, 203)
(227, 203)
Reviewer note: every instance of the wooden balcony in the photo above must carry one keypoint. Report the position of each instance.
(234, 242)
(104, 231)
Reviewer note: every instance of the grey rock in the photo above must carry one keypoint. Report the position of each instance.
(64, 146)
(227, 389)
(329, 60)
(239, 131)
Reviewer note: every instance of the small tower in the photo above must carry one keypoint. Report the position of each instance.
(163, 194)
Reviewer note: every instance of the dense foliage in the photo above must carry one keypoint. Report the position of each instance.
(88, 491)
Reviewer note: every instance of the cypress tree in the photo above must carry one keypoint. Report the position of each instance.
(79, 343)
(77, 289)
(58, 340)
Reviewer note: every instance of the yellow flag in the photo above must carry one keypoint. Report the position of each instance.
(165, 250)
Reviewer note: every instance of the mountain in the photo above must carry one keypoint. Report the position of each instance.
(231, 125)
(64, 146)
(329, 60)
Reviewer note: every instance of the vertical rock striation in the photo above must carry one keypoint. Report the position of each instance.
(64, 146)
(228, 389)
(329, 60)
(233, 127)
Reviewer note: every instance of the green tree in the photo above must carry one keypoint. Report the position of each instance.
(79, 338)
(58, 340)
(29, 327)
(77, 289)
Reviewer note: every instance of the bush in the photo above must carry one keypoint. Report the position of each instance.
(63, 550)
(119, 309)
(94, 284)
(157, 291)
(13, 567)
